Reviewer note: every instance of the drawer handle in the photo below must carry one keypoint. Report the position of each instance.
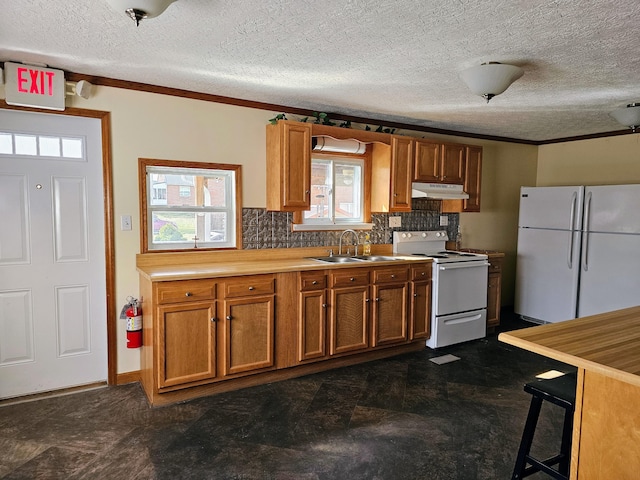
(229, 317)
(393, 276)
(352, 279)
(188, 294)
(315, 282)
(252, 288)
(423, 273)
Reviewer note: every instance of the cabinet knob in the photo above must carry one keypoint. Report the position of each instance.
(252, 288)
(352, 279)
(367, 300)
(324, 305)
(415, 294)
(214, 319)
(423, 274)
(377, 299)
(229, 317)
(393, 276)
(188, 294)
(315, 282)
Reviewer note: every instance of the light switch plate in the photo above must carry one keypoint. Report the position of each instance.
(395, 222)
(444, 220)
(125, 222)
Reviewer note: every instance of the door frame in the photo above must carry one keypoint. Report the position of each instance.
(109, 239)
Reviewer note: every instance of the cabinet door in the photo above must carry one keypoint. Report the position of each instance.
(389, 313)
(312, 329)
(420, 325)
(452, 162)
(248, 334)
(349, 309)
(401, 174)
(472, 179)
(493, 299)
(426, 166)
(186, 343)
(288, 166)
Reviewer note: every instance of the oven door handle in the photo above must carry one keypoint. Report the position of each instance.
(464, 318)
(463, 265)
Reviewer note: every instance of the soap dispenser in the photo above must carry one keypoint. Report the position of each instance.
(366, 246)
(458, 239)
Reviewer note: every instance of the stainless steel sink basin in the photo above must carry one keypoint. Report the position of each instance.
(337, 259)
(357, 258)
(375, 258)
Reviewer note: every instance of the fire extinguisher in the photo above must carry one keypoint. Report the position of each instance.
(133, 315)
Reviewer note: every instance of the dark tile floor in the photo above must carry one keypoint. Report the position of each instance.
(399, 418)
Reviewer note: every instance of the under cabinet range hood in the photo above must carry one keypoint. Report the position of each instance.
(438, 191)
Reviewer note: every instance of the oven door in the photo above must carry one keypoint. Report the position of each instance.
(460, 286)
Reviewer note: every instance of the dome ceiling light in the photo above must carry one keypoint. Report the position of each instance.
(628, 116)
(490, 79)
(138, 10)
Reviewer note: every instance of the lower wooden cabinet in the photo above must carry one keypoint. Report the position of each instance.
(349, 311)
(494, 290)
(187, 350)
(390, 305)
(202, 335)
(420, 318)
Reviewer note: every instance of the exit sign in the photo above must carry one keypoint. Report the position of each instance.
(32, 86)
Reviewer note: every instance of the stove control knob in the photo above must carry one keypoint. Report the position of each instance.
(424, 234)
(404, 235)
(409, 235)
(438, 234)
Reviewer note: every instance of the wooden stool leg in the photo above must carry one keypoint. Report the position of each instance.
(527, 438)
(565, 446)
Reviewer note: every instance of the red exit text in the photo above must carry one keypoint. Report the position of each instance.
(35, 81)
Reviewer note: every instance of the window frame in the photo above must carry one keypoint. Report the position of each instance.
(298, 216)
(236, 222)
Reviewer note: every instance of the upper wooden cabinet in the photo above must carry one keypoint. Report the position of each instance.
(438, 162)
(392, 171)
(288, 166)
(472, 178)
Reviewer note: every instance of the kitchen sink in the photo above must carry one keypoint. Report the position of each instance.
(337, 259)
(375, 258)
(355, 259)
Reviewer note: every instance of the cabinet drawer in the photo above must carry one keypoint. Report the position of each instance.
(421, 272)
(312, 281)
(262, 285)
(391, 275)
(349, 278)
(185, 291)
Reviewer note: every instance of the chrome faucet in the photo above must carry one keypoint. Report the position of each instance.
(354, 234)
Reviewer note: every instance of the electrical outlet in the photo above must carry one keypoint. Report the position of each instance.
(395, 222)
(444, 220)
(125, 222)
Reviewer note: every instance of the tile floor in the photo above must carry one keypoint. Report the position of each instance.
(399, 418)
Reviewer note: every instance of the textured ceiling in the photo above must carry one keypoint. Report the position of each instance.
(394, 61)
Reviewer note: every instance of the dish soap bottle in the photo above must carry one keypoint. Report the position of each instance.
(366, 246)
(458, 239)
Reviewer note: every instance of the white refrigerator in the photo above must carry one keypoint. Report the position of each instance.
(578, 251)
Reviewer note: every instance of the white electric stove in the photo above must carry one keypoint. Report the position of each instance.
(459, 292)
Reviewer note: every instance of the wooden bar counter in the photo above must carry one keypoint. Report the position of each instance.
(606, 350)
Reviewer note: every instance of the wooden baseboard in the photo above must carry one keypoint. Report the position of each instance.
(128, 377)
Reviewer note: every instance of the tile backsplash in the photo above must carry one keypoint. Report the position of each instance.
(263, 229)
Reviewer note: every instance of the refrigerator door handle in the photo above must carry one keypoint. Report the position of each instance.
(585, 234)
(572, 223)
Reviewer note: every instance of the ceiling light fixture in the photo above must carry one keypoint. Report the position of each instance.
(138, 10)
(628, 116)
(490, 79)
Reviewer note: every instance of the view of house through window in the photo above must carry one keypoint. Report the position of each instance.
(336, 192)
(188, 207)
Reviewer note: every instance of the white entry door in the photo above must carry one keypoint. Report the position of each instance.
(52, 253)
